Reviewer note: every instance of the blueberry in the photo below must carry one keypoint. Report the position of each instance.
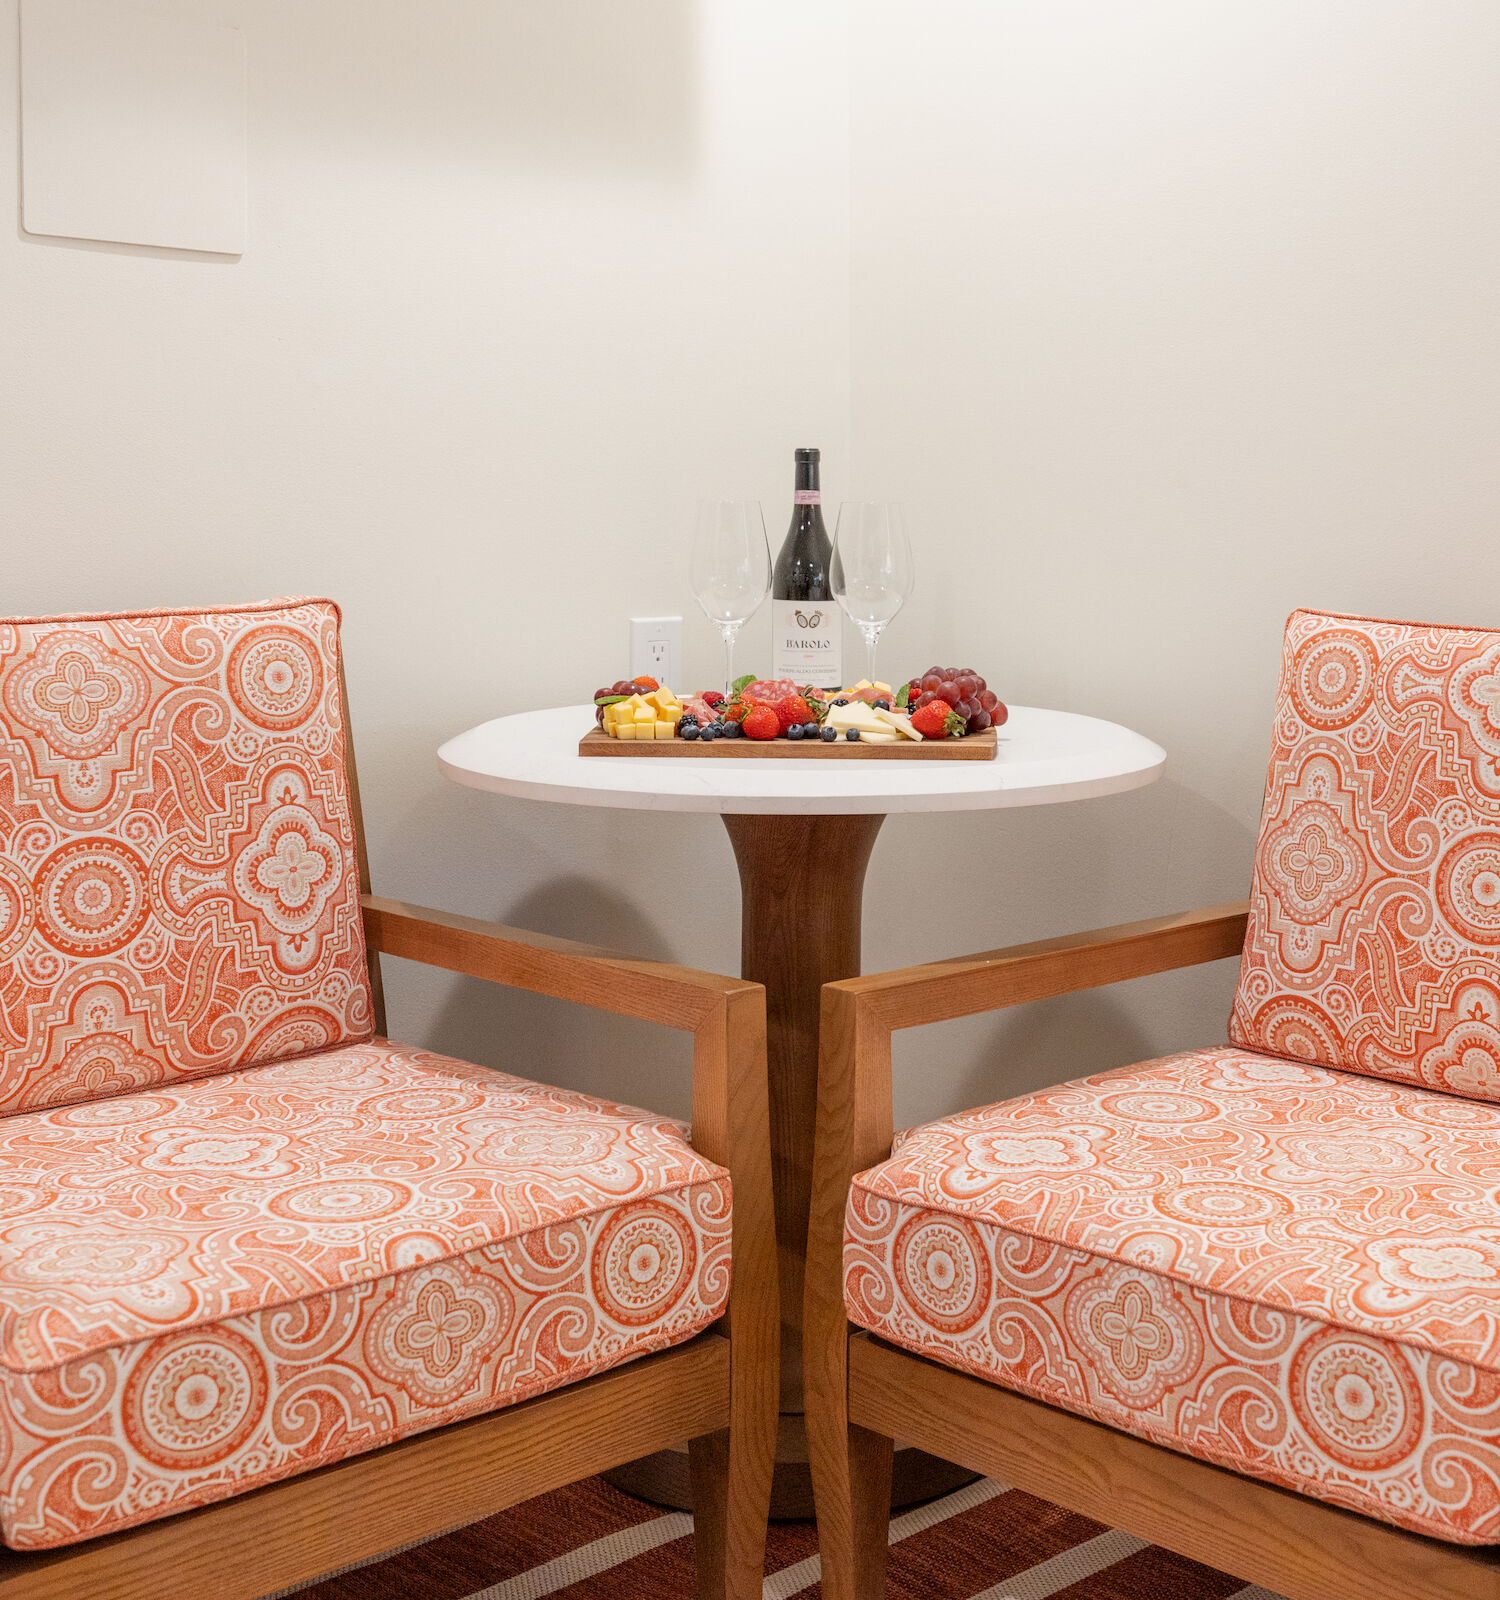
(810, 729)
(882, 705)
(796, 731)
(851, 734)
(709, 734)
(732, 730)
(841, 702)
(829, 735)
(688, 730)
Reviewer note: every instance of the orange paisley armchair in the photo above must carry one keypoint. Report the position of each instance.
(276, 1294)
(1243, 1301)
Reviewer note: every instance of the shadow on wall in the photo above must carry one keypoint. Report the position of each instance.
(1049, 871)
(552, 1041)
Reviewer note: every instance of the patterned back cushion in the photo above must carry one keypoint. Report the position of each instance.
(178, 885)
(1374, 939)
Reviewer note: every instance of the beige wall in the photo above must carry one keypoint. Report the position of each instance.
(1162, 317)
(1169, 317)
(524, 278)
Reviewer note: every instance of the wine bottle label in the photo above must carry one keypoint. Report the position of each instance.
(807, 497)
(807, 643)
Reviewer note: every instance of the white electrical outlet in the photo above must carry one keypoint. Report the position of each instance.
(656, 649)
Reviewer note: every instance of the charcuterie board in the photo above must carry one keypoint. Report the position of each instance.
(975, 747)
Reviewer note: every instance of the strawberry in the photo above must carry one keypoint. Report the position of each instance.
(794, 709)
(761, 722)
(936, 721)
(646, 684)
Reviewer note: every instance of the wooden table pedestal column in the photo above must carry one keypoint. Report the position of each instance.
(802, 886)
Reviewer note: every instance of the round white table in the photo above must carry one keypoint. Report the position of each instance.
(802, 832)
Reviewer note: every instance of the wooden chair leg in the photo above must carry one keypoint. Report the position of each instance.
(853, 1488)
(731, 1478)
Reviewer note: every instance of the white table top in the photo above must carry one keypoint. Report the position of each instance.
(1043, 757)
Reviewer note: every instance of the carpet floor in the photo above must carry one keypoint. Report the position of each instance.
(590, 1542)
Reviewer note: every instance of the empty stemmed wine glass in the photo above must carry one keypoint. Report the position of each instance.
(730, 568)
(872, 574)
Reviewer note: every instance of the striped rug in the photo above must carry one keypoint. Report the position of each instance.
(590, 1542)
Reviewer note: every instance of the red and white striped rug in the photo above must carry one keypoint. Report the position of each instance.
(590, 1542)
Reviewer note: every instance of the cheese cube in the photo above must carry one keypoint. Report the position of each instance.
(663, 699)
(625, 730)
(643, 713)
(664, 729)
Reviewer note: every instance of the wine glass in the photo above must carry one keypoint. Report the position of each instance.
(730, 568)
(872, 573)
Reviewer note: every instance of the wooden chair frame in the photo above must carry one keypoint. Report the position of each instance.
(862, 1393)
(718, 1390)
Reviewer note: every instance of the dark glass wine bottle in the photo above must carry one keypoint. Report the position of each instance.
(806, 627)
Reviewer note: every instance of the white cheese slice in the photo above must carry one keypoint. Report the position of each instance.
(901, 723)
(857, 714)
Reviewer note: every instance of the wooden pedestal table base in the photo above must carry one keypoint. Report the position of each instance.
(801, 893)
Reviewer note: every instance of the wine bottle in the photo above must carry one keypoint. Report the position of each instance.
(806, 627)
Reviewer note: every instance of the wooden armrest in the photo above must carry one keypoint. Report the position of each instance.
(937, 991)
(654, 991)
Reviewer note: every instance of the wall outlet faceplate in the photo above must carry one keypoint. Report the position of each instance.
(656, 649)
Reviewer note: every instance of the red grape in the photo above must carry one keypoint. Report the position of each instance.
(931, 682)
(949, 692)
(979, 721)
(987, 699)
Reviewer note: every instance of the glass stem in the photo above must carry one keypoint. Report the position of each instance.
(872, 638)
(728, 630)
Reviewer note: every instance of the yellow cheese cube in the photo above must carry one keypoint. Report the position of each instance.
(665, 730)
(625, 730)
(662, 699)
(644, 713)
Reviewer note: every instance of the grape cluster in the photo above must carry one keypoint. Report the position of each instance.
(619, 686)
(963, 690)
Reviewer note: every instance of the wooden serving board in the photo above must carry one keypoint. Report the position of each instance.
(974, 747)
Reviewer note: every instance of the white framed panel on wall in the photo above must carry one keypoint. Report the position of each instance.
(132, 126)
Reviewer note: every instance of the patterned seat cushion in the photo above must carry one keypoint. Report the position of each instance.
(1288, 1271)
(178, 890)
(215, 1284)
(1374, 939)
